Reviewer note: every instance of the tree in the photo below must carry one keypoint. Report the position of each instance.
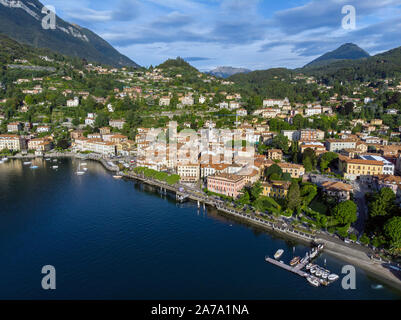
(294, 196)
(244, 198)
(280, 142)
(273, 169)
(327, 159)
(392, 230)
(255, 191)
(345, 212)
(311, 155)
(307, 164)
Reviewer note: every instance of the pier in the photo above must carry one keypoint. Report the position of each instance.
(298, 268)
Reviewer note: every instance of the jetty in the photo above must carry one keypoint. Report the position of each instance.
(298, 268)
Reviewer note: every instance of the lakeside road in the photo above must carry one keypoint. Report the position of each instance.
(357, 255)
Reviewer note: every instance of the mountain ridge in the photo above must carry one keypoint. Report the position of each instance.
(16, 17)
(347, 51)
(225, 72)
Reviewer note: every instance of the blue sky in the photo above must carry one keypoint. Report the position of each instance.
(256, 34)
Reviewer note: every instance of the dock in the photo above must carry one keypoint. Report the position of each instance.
(297, 269)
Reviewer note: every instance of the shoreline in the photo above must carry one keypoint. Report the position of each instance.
(355, 256)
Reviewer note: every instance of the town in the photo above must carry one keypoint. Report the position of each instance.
(330, 161)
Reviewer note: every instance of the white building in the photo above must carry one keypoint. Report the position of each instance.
(388, 167)
(73, 102)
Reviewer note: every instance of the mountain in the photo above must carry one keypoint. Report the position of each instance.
(225, 72)
(348, 51)
(22, 21)
(381, 66)
(178, 63)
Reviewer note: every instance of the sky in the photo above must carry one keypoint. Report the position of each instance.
(254, 34)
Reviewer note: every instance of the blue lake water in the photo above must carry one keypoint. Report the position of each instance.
(118, 239)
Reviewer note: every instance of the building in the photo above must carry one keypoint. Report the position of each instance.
(119, 124)
(274, 154)
(11, 142)
(275, 102)
(73, 102)
(95, 145)
(164, 101)
(295, 170)
(188, 172)
(227, 184)
(318, 147)
(42, 129)
(40, 144)
(311, 134)
(392, 182)
(292, 135)
(339, 190)
(276, 189)
(14, 127)
(210, 169)
(336, 145)
(360, 168)
(388, 167)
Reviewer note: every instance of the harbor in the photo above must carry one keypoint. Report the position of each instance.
(314, 274)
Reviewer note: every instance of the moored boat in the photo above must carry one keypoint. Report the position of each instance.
(295, 261)
(333, 277)
(323, 282)
(308, 266)
(55, 167)
(34, 167)
(318, 272)
(26, 163)
(313, 281)
(119, 177)
(278, 254)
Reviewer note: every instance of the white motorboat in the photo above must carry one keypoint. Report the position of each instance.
(318, 273)
(308, 266)
(313, 281)
(34, 167)
(79, 171)
(4, 159)
(325, 275)
(312, 270)
(55, 167)
(278, 254)
(27, 163)
(333, 277)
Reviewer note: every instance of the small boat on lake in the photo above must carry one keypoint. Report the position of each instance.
(313, 281)
(27, 163)
(34, 167)
(318, 273)
(117, 177)
(278, 254)
(323, 282)
(308, 266)
(333, 277)
(55, 167)
(294, 261)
